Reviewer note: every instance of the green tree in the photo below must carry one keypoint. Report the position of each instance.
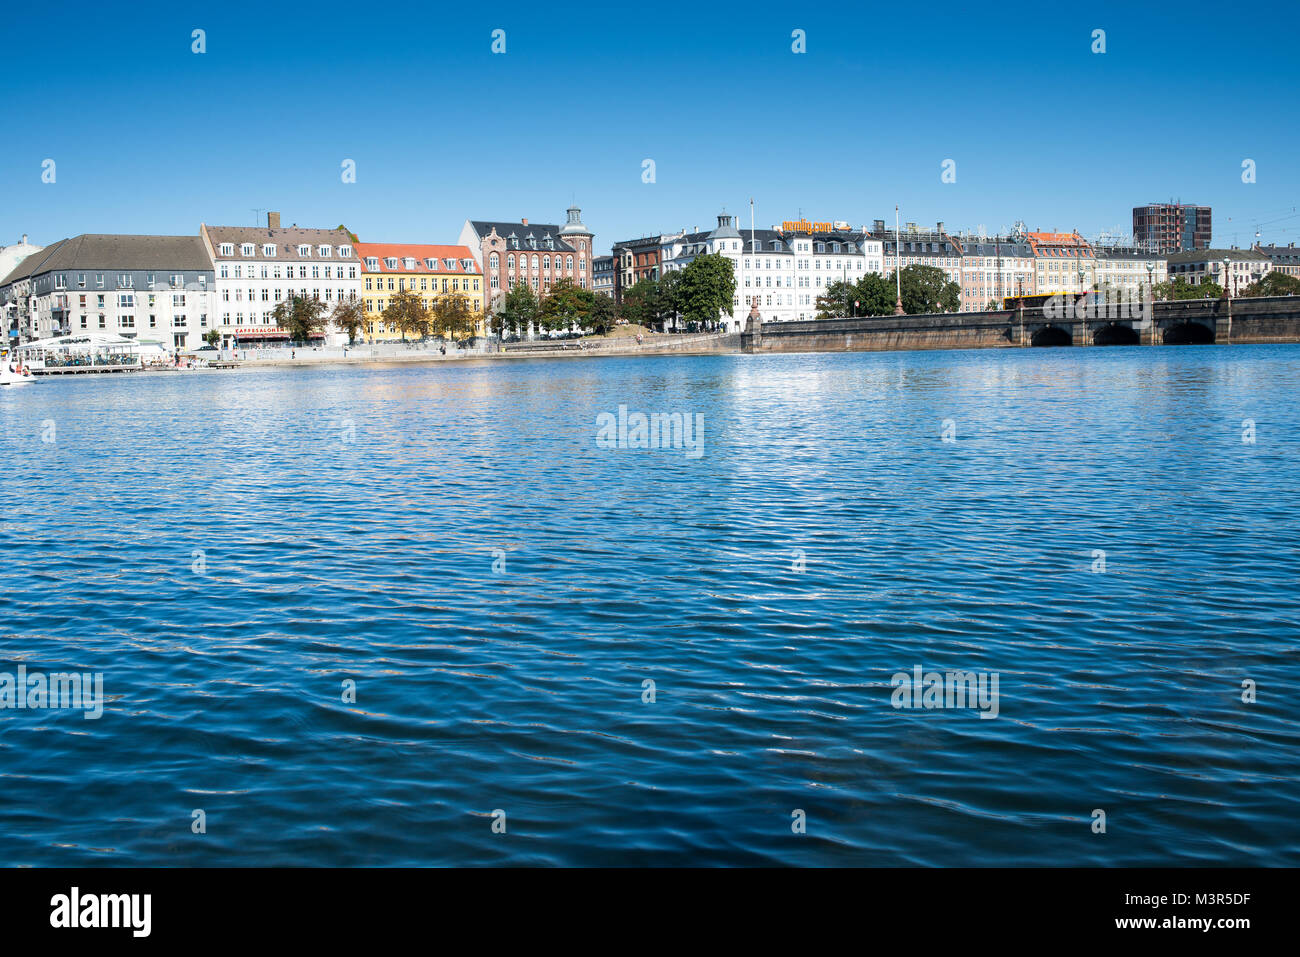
(874, 295)
(668, 301)
(565, 305)
(212, 337)
(518, 310)
(837, 302)
(453, 317)
(349, 317)
(303, 317)
(602, 315)
(707, 288)
(640, 303)
(928, 289)
(407, 312)
(1274, 284)
(1180, 288)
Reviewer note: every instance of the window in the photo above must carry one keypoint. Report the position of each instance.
(304, 251)
(345, 252)
(125, 300)
(227, 249)
(178, 280)
(325, 251)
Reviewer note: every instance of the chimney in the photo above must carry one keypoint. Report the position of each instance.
(25, 240)
(272, 220)
(524, 221)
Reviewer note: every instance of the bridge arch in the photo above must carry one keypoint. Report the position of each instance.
(1188, 333)
(1051, 336)
(1116, 334)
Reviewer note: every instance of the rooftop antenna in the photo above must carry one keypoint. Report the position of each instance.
(257, 215)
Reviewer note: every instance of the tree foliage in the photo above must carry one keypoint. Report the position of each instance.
(407, 313)
(1180, 288)
(303, 317)
(927, 289)
(349, 317)
(453, 317)
(1274, 284)
(706, 289)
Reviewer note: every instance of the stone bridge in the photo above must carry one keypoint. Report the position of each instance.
(1274, 319)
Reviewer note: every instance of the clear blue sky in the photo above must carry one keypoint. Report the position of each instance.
(149, 137)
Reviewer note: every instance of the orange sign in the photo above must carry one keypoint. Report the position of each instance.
(804, 226)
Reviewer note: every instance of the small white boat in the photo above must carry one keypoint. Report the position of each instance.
(14, 373)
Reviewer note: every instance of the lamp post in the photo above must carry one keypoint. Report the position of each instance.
(1151, 295)
(1227, 292)
(898, 266)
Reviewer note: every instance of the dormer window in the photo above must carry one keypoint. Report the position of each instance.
(304, 251)
(465, 264)
(390, 262)
(372, 263)
(268, 250)
(227, 249)
(450, 264)
(431, 264)
(324, 251)
(835, 248)
(246, 249)
(345, 252)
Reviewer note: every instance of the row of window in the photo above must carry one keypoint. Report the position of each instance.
(128, 321)
(269, 250)
(329, 272)
(494, 262)
(408, 263)
(426, 284)
(124, 280)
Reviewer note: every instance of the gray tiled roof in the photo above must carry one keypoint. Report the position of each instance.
(539, 231)
(115, 251)
(1214, 255)
(285, 238)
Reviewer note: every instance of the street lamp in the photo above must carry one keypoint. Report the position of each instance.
(1227, 292)
(1151, 295)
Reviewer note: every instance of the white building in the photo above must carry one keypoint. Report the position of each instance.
(150, 288)
(784, 271)
(257, 267)
(1127, 271)
(1243, 267)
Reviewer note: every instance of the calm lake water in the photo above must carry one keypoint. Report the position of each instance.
(232, 549)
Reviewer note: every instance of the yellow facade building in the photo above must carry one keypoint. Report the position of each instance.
(428, 271)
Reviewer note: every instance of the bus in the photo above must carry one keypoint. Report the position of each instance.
(1038, 299)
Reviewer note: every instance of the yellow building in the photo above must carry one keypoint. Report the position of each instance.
(428, 271)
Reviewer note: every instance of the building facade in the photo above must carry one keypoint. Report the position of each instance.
(539, 254)
(258, 267)
(782, 271)
(1234, 269)
(1171, 227)
(1285, 259)
(1127, 273)
(156, 289)
(993, 268)
(428, 271)
(1063, 262)
(912, 246)
(602, 275)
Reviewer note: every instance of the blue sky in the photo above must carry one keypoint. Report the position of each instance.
(149, 137)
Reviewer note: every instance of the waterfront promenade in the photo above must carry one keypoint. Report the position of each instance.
(1196, 321)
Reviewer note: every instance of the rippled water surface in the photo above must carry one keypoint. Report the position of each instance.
(229, 549)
